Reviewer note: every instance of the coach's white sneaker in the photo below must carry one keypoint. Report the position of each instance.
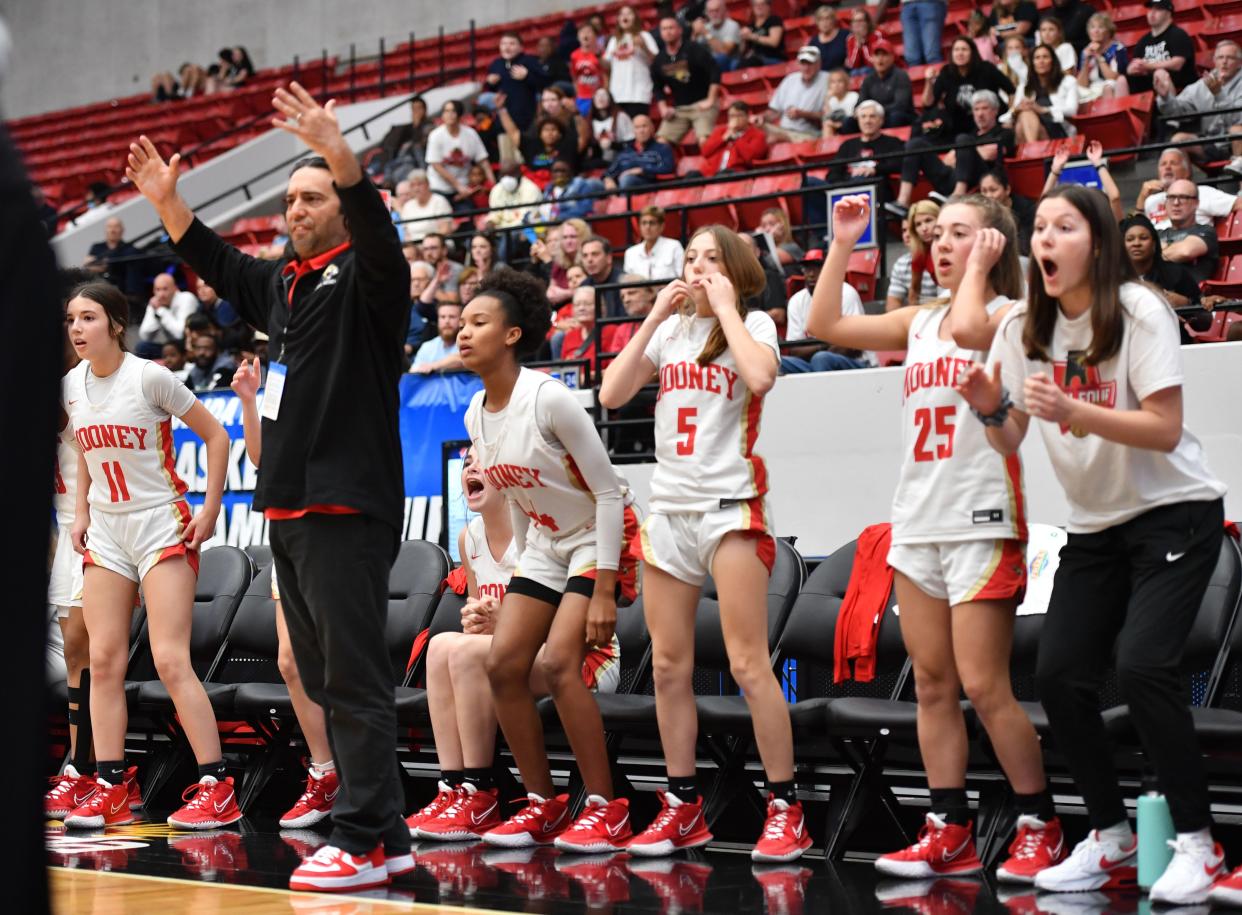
(1197, 863)
(1096, 863)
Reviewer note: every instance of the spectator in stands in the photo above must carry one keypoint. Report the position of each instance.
(774, 224)
(221, 314)
(839, 103)
(439, 354)
(1095, 155)
(517, 76)
(817, 356)
(212, 369)
(47, 213)
(1074, 16)
(977, 30)
(920, 226)
(1174, 164)
(173, 355)
(1185, 241)
(468, 284)
(1052, 35)
(889, 86)
(435, 252)
(556, 253)
(1220, 88)
(637, 302)
(404, 147)
(734, 145)
(1047, 101)
(190, 81)
(555, 68)
(970, 161)
(860, 44)
(655, 257)
(948, 109)
(796, 110)
(482, 255)
(922, 26)
(772, 299)
(611, 126)
(567, 194)
(165, 316)
(763, 37)
(1016, 67)
(720, 34)
(451, 149)
(629, 54)
(480, 186)
(424, 212)
(586, 68)
(1142, 245)
(829, 38)
(422, 305)
(687, 85)
(511, 203)
(869, 115)
(1165, 47)
(1103, 62)
(236, 68)
(995, 185)
(901, 274)
(116, 260)
(598, 263)
(579, 339)
(1010, 17)
(538, 147)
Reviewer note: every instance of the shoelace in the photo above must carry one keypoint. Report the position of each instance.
(664, 820)
(593, 817)
(435, 802)
(312, 784)
(1088, 850)
(61, 784)
(932, 825)
(1028, 843)
(325, 855)
(198, 794)
(457, 805)
(1188, 852)
(776, 825)
(533, 810)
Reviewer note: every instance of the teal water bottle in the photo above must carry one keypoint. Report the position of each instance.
(1155, 829)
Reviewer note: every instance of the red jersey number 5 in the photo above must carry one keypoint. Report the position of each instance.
(685, 426)
(939, 423)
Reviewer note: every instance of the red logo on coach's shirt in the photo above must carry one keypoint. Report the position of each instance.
(1083, 382)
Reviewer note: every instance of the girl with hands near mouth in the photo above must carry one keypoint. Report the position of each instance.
(958, 533)
(714, 361)
(1095, 357)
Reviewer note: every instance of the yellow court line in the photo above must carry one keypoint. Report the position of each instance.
(328, 900)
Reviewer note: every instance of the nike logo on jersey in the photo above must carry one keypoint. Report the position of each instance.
(1173, 557)
(110, 436)
(690, 376)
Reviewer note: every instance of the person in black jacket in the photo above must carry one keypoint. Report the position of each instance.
(946, 99)
(331, 483)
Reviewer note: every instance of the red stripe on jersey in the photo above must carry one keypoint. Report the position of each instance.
(631, 552)
(88, 559)
(1013, 472)
(765, 549)
(750, 435)
(164, 431)
(184, 517)
(575, 475)
(1008, 579)
(172, 552)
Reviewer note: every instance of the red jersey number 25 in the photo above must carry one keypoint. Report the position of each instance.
(935, 433)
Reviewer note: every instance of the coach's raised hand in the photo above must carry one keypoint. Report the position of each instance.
(316, 126)
(157, 181)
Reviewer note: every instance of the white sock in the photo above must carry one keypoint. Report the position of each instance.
(1120, 834)
(1201, 837)
(319, 770)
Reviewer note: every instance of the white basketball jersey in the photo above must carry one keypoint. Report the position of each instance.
(127, 442)
(491, 577)
(65, 491)
(706, 419)
(954, 486)
(539, 477)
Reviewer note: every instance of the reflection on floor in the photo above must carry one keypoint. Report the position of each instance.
(259, 855)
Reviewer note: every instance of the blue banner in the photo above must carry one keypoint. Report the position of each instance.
(432, 411)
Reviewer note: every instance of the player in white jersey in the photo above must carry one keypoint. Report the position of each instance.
(714, 361)
(322, 782)
(538, 446)
(1094, 357)
(463, 718)
(958, 539)
(132, 525)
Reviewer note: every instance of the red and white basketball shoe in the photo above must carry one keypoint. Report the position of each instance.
(602, 826)
(108, 806)
(316, 801)
(210, 804)
(1037, 846)
(68, 791)
(472, 813)
(784, 835)
(445, 796)
(538, 823)
(943, 849)
(677, 826)
(333, 870)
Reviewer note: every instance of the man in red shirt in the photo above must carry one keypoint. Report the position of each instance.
(735, 144)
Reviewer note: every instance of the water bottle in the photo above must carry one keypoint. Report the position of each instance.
(1155, 829)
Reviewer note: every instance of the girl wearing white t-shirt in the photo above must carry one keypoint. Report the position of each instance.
(958, 538)
(714, 362)
(1094, 357)
(628, 55)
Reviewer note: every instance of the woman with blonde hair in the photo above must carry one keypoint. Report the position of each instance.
(921, 225)
(709, 514)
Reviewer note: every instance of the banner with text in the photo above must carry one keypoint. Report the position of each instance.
(433, 409)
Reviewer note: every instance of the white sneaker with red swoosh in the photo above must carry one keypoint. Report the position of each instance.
(333, 869)
(1096, 863)
(601, 827)
(943, 850)
(1197, 863)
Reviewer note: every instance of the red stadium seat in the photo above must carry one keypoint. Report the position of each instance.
(861, 273)
(715, 207)
(1229, 233)
(674, 202)
(1229, 279)
(1026, 169)
(690, 164)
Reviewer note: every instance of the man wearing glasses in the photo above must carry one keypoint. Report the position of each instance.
(1185, 241)
(655, 257)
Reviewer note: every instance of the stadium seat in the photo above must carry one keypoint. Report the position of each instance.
(414, 588)
(1229, 233)
(715, 207)
(749, 211)
(1229, 283)
(412, 699)
(863, 271)
(1026, 169)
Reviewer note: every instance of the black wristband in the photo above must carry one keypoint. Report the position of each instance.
(998, 416)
